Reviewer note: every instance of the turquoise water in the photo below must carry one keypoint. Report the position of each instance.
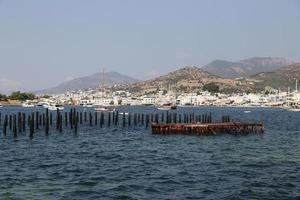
(131, 163)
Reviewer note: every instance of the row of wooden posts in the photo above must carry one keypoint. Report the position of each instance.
(36, 121)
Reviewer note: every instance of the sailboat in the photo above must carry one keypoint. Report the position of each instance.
(101, 107)
(293, 106)
(167, 106)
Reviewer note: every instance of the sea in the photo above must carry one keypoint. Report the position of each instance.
(131, 163)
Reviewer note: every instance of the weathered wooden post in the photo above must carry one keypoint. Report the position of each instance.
(37, 118)
(123, 119)
(91, 119)
(19, 122)
(116, 118)
(134, 119)
(23, 122)
(47, 122)
(108, 122)
(5, 125)
(129, 119)
(138, 118)
(10, 122)
(60, 122)
(147, 120)
(96, 118)
(51, 119)
(74, 116)
(57, 119)
(15, 125)
(76, 123)
(70, 118)
(101, 119)
(66, 119)
(113, 116)
(156, 118)
(80, 118)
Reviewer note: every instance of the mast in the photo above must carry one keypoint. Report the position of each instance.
(102, 84)
(296, 88)
(288, 97)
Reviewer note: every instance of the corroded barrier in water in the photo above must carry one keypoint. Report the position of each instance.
(208, 128)
(162, 122)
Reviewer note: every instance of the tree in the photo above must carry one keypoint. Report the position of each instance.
(211, 87)
(21, 96)
(46, 96)
(3, 97)
(120, 102)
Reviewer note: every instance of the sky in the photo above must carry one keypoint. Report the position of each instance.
(44, 43)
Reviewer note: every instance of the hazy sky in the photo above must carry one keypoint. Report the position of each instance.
(43, 43)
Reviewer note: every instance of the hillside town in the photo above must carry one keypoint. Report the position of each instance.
(106, 98)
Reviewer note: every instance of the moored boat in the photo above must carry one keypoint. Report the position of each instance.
(105, 109)
(167, 107)
(27, 104)
(53, 106)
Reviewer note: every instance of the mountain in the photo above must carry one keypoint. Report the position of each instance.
(245, 67)
(281, 78)
(7, 86)
(93, 81)
(186, 79)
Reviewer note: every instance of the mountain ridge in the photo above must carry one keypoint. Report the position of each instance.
(282, 78)
(91, 81)
(246, 67)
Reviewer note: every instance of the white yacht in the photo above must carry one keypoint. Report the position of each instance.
(53, 106)
(27, 104)
(168, 106)
(105, 109)
(1, 105)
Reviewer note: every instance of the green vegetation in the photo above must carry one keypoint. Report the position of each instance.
(46, 96)
(3, 97)
(21, 96)
(211, 87)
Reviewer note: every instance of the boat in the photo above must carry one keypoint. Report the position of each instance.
(167, 107)
(105, 109)
(53, 106)
(247, 111)
(1, 105)
(126, 113)
(56, 106)
(27, 104)
(294, 109)
(88, 105)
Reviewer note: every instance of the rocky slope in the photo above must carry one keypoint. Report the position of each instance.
(281, 78)
(186, 79)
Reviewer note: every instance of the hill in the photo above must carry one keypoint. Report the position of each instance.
(281, 78)
(93, 81)
(245, 67)
(186, 79)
